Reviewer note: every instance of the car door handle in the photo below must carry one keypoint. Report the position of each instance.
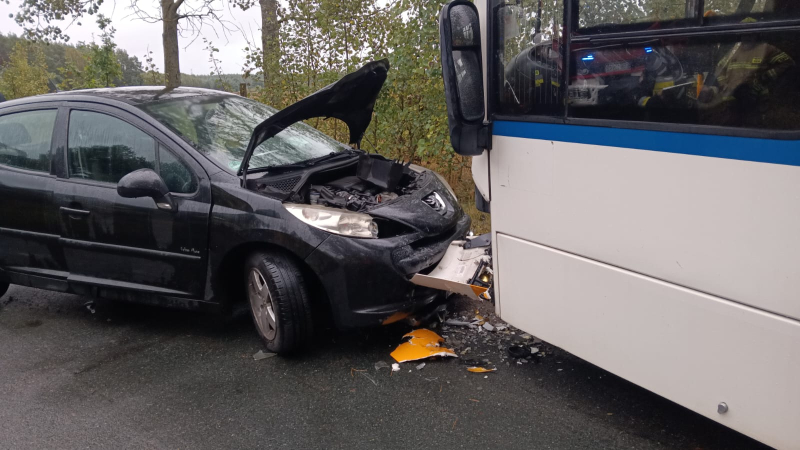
(74, 213)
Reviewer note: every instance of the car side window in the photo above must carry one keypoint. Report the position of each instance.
(104, 148)
(25, 139)
(176, 175)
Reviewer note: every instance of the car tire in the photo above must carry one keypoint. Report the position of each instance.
(3, 289)
(279, 302)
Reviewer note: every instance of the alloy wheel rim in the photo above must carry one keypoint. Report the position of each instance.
(261, 304)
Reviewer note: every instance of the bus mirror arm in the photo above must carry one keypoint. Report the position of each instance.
(462, 71)
(485, 136)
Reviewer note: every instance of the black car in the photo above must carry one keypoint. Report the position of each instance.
(197, 198)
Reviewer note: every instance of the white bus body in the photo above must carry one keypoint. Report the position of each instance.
(669, 258)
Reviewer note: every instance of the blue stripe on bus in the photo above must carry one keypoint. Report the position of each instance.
(728, 147)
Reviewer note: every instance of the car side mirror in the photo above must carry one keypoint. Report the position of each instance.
(145, 183)
(460, 39)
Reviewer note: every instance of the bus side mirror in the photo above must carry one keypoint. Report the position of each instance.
(460, 39)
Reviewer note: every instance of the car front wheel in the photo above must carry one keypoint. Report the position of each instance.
(279, 302)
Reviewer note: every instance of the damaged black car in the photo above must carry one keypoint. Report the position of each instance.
(201, 199)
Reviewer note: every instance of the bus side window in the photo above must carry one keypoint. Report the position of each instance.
(530, 58)
(603, 16)
(732, 79)
(736, 81)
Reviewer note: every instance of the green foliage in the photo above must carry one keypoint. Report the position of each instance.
(36, 17)
(71, 77)
(25, 73)
(151, 75)
(67, 63)
(216, 69)
(131, 68)
(102, 67)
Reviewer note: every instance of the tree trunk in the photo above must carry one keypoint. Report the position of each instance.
(172, 68)
(270, 29)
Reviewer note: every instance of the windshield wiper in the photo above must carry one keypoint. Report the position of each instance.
(312, 162)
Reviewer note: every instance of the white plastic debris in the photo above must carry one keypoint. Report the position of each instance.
(261, 354)
(526, 336)
(534, 350)
(395, 367)
(457, 323)
(381, 365)
(488, 327)
(420, 366)
(369, 378)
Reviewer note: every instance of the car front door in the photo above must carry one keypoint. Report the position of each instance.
(130, 243)
(29, 247)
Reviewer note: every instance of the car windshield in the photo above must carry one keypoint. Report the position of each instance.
(220, 127)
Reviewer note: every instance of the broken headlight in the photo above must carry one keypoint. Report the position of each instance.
(420, 169)
(336, 221)
(446, 185)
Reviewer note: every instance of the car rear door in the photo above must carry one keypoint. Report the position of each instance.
(130, 243)
(29, 249)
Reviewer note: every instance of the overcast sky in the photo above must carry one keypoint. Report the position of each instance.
(136, 36)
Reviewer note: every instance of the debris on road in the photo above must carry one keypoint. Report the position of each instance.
(381, 365)
(481, 369)
(422, 344)
(261, 354)
(466, 331)
(395, 367)
(518, 351)
(368, 377)
(396, 317)
(458, 323)
(420, 366)
(90, 306)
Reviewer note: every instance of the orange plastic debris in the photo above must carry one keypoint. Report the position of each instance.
(396, 317)
(422, 344)
(480, 369)
(478, 290)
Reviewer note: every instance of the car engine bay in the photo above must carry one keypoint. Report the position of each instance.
(359, 184)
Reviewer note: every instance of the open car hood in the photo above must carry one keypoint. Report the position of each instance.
(351, 99)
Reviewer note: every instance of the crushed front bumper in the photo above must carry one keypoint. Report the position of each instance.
(369, 280)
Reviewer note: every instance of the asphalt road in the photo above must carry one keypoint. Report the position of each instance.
(131, 376)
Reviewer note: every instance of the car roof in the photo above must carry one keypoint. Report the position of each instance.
(133, 95)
